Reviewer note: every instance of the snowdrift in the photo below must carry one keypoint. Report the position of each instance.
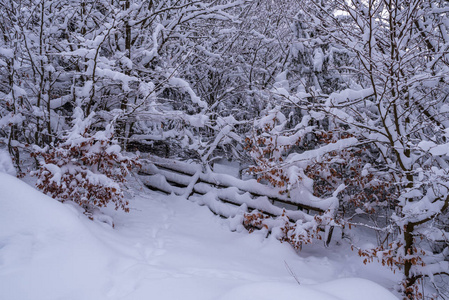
(342, 289)
(46, 250)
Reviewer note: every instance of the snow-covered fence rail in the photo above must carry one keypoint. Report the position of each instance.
(187, 179)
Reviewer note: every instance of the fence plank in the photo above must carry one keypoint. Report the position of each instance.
(180, 173)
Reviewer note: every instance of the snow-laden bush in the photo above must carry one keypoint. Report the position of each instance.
(86, 167)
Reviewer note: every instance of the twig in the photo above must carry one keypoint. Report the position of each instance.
(291, 272)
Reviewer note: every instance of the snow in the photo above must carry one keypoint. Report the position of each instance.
(58, 102)
(11, 118)
(6, 165)
(433, 148)
(317, 153)
(180, 83)
(46, 247)
(113, 149)
(166, 248)
(334, 290)
(115, 75)
(223, 166)
(9, 53)
(300, 195)
(318, 60)
(348, 95)
(197, 120)
(56, 171)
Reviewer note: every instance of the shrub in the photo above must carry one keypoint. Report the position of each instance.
(86, 168)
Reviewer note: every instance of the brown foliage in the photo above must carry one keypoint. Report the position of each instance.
(293, 234)
(87, 173)
(254, 221)
(394, 257)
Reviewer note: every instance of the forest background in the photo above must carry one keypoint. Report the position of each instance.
(347, 99)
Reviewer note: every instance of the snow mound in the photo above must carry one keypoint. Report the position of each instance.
(275, 290)
(341, 289)
(355, 289)
(44, 246)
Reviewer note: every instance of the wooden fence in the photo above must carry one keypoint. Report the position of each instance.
(220, 191)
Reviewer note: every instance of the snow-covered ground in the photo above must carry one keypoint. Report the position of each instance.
(165, 248)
